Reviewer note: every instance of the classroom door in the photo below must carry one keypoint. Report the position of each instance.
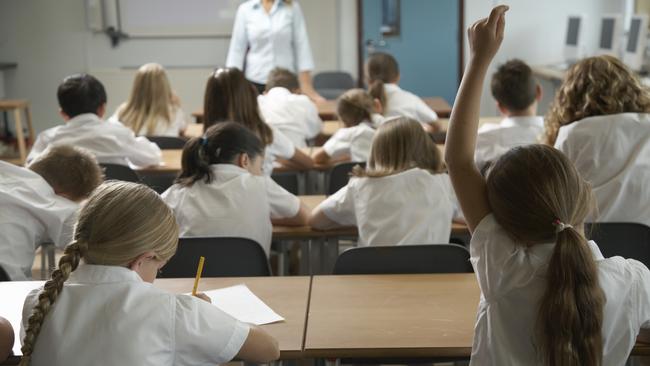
(427, 46)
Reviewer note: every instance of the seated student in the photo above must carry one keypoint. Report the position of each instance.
(82, 99)
(517, 93)
(100, 308)
(6, 339)
(604, 129)
(548, 297)
(152, 109)
(230, 97)
(382, 76)
(356, 109)
(282, 106)
(38, 204)
(221, 190)
(400, 198)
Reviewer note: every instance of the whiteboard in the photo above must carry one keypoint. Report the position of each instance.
(177, 18)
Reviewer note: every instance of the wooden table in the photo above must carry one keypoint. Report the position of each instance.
(171, 163)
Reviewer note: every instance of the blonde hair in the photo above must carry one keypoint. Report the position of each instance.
(401, 144)
(71, 171)
(530, 207)
(354, 107)
(118, 223)
(595, 86)
(151, 100)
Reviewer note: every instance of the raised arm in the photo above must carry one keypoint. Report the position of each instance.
(485, 37)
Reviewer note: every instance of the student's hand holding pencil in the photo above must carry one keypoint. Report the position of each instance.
(203, 297)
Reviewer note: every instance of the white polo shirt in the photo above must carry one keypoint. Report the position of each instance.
(172, 128)
(30, 214)
(236, 203)
(401, 103)
(280, 148)
(411, 207)
(612, 153)
(106, 315)
(355, 141)
(111, 142)
(295, 115)
(512, 281)
(494, 140)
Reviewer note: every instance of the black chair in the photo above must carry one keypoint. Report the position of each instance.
(331, 84)
(287, 180)
(224, 257)
(340, 175)
(404, 259)
(628, 240)
(159, 182)
(120, 172)
(168, 142)
(4, 277)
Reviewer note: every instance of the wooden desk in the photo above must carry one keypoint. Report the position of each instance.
(439, 105)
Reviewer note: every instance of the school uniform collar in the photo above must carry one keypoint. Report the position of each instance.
(83, 119)
(278, 91)
(276, 4)
(390, 87)
(523, 121)
(540, 254)
(228, 168)
(97, 274)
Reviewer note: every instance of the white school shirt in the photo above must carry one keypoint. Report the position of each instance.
(280, 148)
(295, 115)
(107, 315)
(30, 214)
(236, 203)
(355, 141)
(494, 140)
(111, 142)
(411, 207)
(511, 279)
(264, 41)
(162, 128)
(401, 103)
(612, 153)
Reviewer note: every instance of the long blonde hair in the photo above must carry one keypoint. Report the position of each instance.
(595, 86)
(399, 145)
(151, 100)
(532, 190)
(355, 106)
(119, 222)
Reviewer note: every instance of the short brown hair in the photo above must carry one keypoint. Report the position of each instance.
(70, 170)
(280, 77)
(514, 86)
(381, 68)
(354, 107)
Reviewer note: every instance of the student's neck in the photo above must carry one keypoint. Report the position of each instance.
(528, 112)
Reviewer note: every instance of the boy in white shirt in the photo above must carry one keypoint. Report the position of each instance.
(82, 99)
(283, 107)
(517, 93)
(38, 204)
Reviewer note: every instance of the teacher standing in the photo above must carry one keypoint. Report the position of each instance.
(269, 34)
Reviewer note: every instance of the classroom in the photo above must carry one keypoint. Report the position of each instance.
(339, 182)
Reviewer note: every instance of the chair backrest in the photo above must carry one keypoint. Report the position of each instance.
(3, 275)
(168, 142)
(120, 172)
(628, 240)
(404, 259)
(287, 180)
(333, 80)
(340, 175)
(224, 257)
(159, 182)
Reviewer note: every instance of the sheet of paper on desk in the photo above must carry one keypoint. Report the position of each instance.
(242, 304)
(12, 298)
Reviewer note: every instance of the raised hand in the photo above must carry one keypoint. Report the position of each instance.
(485, 35)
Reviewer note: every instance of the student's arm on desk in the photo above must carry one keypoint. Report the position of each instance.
(321, 157)
(301, 160)
(259, 347)
(301, 218)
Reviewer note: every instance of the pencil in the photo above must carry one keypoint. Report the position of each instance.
(198, 275)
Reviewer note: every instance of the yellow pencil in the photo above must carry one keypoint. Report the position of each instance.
(198, 275)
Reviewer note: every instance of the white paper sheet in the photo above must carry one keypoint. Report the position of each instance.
(12, 298)
(242, 304)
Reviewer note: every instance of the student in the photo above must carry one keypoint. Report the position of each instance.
(100, 308)
(152, 109)
(382, 76)
(230, 97)
(221, 190)
(82, 99)
(38, 204)
(283, 106)
(6, 339)
(604, 129)
(548, 297)
(517, 93)
(400, 198)
(356, 109)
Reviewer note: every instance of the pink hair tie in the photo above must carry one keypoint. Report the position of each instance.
(560, 226)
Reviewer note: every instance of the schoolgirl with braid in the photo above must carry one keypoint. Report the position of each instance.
(100, 307)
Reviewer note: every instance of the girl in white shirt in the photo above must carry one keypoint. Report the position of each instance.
(221, 190)
(152, 109)
(358, 112)
(401, 198)
(100, 307)
(230, 97)
(548, 297)
(604, 129)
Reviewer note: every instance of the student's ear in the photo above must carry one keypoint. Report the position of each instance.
(377, 106)
(244, 161)
(503, 110)
(539, 93)
(136, 264)
(63, 115)
(101, 111)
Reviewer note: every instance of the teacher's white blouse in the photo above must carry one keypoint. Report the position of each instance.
(268, 40)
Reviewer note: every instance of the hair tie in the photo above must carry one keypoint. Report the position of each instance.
(560, 226)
